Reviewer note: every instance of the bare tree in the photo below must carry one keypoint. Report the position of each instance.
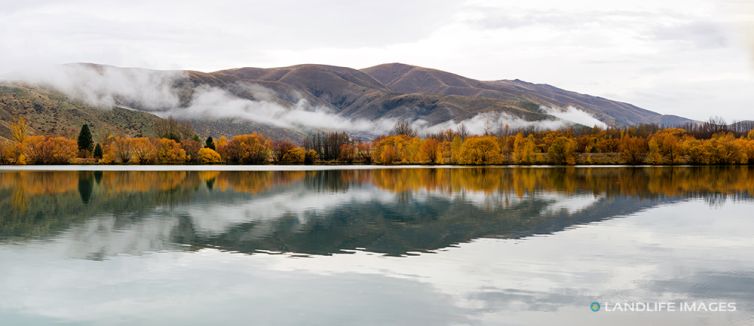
(403, 128)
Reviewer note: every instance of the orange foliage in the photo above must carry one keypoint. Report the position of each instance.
(49, 150)
(481, 150)
(393, 149)
(247, 149)
(208, 156)
(633, 150)
(168, 151)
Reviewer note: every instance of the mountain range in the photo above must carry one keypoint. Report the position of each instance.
(289, 102)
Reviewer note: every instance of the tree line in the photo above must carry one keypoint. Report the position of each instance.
(703, 144)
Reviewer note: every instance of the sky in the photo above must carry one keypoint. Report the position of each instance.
(693, 58)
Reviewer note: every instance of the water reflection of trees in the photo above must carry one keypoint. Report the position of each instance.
(22, 186)
(36, 204)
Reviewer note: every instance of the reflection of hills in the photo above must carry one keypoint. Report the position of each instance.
(406, 225)
(386, 211)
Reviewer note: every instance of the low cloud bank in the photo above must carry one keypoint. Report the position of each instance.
(104, 86)
(157, 92)
(492, 122)
(216, 103)
(574, 115)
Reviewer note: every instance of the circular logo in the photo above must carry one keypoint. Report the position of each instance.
(595, 306)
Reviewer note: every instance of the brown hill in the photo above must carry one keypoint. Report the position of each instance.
(52, 113)
(394, 91)
(403, 78)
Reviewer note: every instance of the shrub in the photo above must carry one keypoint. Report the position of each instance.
(49, 150)
(209, 156)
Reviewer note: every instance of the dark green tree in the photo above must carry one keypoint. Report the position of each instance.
(98, 152)
(210, 143)
(86, 144)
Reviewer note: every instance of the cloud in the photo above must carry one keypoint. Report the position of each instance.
(574, 115)
(104, 86)
(215, 103)
(495, 121)
(158, 92)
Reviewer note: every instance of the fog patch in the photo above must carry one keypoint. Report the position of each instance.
(574, 115)
(105, 86)
(158, 92)
(215, 103)
(493, 122)
(155, 92)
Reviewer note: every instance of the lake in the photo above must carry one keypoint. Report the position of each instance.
(418, 246)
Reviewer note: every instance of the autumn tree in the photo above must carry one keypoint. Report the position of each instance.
(168, 151)
(248, 149)
(364, 152)
(280, 148)
(562, 150)
(524, 149)
(429, 151)
(7, 152)
(295, 155)
(19, 130)
(394, 149)
(310, 157)
(481, 150)
(633, 149)
(49, 150)
(117, 150)
(209, 156)
(665, 146)
(726, 149)
(191, 147)
(455, 149)
(143, 151)
(347, 153)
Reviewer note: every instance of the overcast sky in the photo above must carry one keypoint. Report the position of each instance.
(693, 58)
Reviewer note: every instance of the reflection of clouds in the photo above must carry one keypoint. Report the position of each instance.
(568, 203)
(207, 287)
(213, 218)
(104, 236)
(555, 202)
(672, 252)
(646, 257)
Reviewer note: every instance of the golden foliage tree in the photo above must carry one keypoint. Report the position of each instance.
(524, 149)
(429, 151)
(633, 150)
(49, 150)
(168, 151)
(295, 155)
(562, 150)
(247, 149)
(19, 130)
(481, 150)
(143, 151)
(666, 147)
(208, 156)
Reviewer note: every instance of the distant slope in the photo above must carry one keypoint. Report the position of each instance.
(52, 113)
(388, 92)
(403, 78)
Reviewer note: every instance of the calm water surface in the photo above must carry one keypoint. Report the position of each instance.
(472, 246)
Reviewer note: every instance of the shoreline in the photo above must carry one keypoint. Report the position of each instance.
(307, 167)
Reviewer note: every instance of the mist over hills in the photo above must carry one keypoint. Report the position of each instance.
(289, 102)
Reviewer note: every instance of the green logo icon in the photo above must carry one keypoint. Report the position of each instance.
(595, 306)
